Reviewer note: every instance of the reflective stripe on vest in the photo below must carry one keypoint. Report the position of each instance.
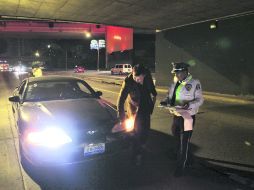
(178, 90)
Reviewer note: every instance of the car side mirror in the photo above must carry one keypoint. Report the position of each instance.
(98, 93)
(14, 99)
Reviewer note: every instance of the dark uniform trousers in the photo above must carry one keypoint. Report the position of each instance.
(183, 139)
(142, 127)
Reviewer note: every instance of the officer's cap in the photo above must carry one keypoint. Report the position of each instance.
(179, 66)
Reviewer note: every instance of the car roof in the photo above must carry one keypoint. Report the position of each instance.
(52, 78)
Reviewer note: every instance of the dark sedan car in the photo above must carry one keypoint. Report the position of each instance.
(62, 120)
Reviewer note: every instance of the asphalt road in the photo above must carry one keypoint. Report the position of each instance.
(223, 139)
(223, 133)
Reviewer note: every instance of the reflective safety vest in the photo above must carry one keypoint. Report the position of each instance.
(189, 91)
(37, 72)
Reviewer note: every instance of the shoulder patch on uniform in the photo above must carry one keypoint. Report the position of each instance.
(198, 87)
(188, 87)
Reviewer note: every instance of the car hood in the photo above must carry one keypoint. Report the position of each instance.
(73, 115)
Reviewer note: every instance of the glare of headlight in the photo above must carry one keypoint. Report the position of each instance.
(17, 69)
(129, 124)
(49, 137)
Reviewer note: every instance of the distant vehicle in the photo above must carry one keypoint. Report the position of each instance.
(62, 120)
(121, 69)
(79, 69)
(4, 67)
(11, 68)
(19, 68)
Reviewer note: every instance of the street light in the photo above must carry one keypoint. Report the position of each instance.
(88, 34)
(97, 44)
(214, 25)
(64, 50)
(37, 54)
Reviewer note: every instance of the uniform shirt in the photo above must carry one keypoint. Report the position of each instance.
(189, 91)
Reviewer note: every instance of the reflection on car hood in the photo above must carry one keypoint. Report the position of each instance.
(75, 114)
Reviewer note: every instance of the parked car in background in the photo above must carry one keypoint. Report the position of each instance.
(120, 69)
(79, 69)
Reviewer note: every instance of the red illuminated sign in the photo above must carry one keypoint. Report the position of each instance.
(119, 39)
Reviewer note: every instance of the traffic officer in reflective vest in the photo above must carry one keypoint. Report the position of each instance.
(185, 94)
(36, 71)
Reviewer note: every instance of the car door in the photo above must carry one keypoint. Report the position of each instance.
(125, 69)
(116, 69)
(129, 68)
(16, 105)
(120, 70)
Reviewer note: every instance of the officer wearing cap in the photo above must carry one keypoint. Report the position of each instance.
(185, 94)
(36, 70)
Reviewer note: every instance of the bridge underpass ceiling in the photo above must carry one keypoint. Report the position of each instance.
(144, 14)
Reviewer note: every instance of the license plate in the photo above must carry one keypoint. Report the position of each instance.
(91, 149)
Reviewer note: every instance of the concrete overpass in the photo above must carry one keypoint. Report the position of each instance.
(146, 14)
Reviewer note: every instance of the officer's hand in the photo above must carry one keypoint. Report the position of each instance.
(163, 103)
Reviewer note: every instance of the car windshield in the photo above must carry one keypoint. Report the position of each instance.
(57, 90)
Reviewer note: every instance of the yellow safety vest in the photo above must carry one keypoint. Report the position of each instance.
(37, 72)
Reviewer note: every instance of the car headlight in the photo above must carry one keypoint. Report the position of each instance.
(127, 125)
(49, 137)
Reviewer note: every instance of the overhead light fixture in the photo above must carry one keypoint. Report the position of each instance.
(214, 25)
(88, 34)
(51, 24)
(37, 54)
